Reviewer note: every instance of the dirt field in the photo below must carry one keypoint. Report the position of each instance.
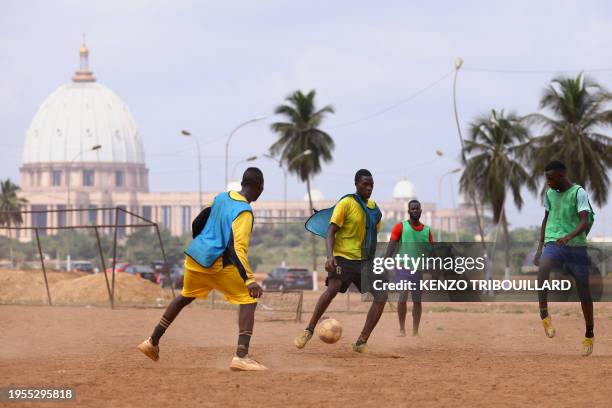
(466, 358)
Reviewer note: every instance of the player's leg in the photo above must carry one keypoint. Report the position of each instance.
(376, 310)
(586, 303)
(579, 268)
(417, 311)
(334, 285)
(150, 347)
(173, 309)
(365, 284)
(546, 265)
(417, 305)
(195, 284)
(229, 282)
(246, 321)
(402, 310)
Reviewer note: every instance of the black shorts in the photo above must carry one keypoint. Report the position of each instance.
(357, 273)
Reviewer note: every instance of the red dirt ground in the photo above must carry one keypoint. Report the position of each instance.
(476, 358)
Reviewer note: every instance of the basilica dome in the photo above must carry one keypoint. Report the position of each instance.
(78, 116)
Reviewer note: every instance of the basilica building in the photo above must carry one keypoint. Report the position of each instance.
(83, 150)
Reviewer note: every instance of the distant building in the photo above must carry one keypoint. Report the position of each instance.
(83, 150)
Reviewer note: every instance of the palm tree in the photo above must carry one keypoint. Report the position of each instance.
(572, 134)
(300, 132)
(10, 204)
(494, 166)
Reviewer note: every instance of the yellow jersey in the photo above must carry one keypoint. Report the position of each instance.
(349, 216)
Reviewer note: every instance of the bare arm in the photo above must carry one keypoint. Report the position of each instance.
(536, 259)
(330, 264)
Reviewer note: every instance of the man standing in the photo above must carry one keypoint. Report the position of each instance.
(350, 244)
(217, 259)
(567, 220)
(409, 239)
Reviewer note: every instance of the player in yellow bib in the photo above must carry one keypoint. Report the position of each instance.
(217, 259)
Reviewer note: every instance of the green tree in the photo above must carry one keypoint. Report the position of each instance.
(494, 167)
(10, 207)
(142, 247)
(572, 133)
(301, 132)
(10, 204)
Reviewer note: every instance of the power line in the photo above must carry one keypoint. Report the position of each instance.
(395, 105)
(535, 71)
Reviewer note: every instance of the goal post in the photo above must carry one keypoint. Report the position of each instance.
(277, 305)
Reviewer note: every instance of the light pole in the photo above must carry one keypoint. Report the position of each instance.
(69, 213)
(440, 199)
(248, 159)
(280, 164)
(91, 149)
(458, 64)
(229, 139)
(187, 133)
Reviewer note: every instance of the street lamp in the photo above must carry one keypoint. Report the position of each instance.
(227, 143)
(69, 213)
(91, 149)
(187, 133)
(440, 199)
(280, 164)
(248, 159)
(458, 65)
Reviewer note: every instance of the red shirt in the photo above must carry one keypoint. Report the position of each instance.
(396, 233)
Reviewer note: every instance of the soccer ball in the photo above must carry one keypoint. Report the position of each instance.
(330, 331)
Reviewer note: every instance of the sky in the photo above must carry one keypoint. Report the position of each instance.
(387, 69)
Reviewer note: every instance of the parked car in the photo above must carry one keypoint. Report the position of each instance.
(119, 267)
(82, 266)
(176, 276)
(143, 271)
(283, 278)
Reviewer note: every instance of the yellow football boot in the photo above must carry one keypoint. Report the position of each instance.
(587, 346)
(548, 327)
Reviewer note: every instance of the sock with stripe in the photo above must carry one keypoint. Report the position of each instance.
(160, 329)
(244, 338)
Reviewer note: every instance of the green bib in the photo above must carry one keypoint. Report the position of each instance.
(414, 243)
(563, 216)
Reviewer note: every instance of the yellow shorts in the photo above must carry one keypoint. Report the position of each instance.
(199, 281)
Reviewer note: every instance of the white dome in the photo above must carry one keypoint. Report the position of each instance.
(316, 195)
(233, 185)
(404, 189)
(78, 116)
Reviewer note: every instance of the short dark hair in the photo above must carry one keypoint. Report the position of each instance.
(555, 165)
(362, 173)
(252, 177)
(413, 201)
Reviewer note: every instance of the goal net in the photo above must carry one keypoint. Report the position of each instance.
(281, 305)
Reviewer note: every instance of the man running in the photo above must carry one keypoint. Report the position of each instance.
(566, 223)
(350, 242)
(408, 238)
(217, 259)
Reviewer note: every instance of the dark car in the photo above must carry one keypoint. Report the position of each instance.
(283, 278)
(144, 271)
(175, 276)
